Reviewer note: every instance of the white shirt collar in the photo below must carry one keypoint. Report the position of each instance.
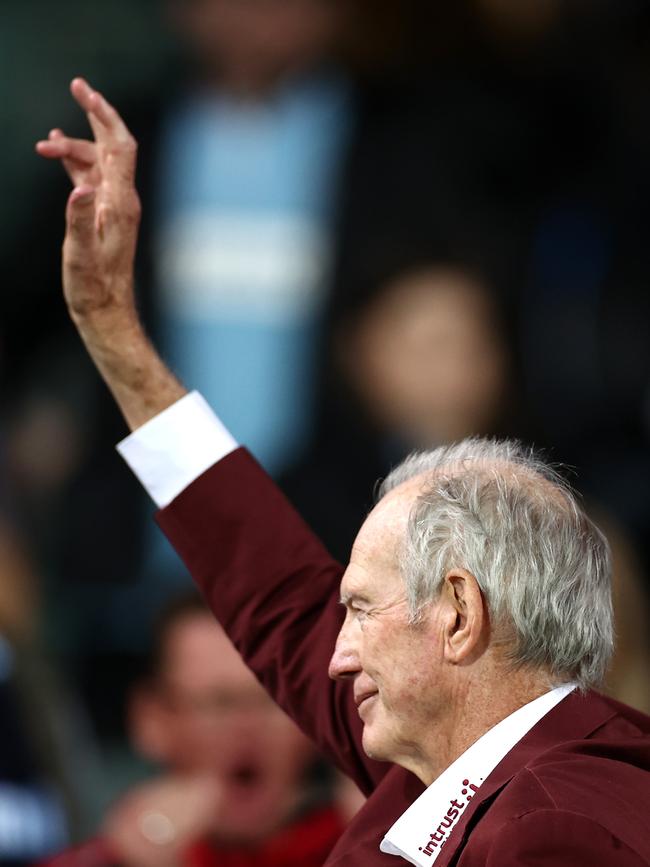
(423, 829)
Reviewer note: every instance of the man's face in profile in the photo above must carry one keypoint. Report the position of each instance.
(395, 665)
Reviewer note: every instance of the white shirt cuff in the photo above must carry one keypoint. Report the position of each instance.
(175, 447)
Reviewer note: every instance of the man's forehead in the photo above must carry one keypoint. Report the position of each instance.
(376, 550)
(386, 524)
(395, 507)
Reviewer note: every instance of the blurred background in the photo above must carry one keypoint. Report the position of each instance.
(368, 227)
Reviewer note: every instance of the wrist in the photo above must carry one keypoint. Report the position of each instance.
(109, 330)
(132, 369)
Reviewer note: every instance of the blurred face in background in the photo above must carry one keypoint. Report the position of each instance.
(427, 359)
(207, 714)
(252, 44)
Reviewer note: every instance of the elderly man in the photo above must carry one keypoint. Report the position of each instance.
(477, 611)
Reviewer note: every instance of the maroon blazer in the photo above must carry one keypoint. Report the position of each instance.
(575, 790)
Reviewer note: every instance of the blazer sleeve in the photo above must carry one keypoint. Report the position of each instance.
(559, 838)
(274, 588)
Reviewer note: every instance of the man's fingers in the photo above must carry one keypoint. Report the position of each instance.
(105, 121)
(84, 95)
(59, 146)
(116, 146)
(79, 157)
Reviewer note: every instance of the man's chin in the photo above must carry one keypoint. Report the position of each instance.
(374, 746)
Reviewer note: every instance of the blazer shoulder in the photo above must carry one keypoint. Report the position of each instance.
(559, 837)
(583, 805)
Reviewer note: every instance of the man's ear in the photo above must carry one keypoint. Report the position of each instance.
(466, 623)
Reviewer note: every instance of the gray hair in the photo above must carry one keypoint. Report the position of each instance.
(544, 568)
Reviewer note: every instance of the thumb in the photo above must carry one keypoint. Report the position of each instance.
(80, 214)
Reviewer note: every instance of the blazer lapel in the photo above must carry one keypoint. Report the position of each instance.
(574, 718)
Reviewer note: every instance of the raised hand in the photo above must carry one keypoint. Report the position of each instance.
(103, 210)
(102, 219)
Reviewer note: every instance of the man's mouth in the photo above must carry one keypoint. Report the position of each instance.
(363, 698)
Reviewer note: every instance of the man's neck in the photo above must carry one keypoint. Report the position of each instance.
(472, 712)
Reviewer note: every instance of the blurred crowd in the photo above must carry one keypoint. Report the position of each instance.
(368, 227)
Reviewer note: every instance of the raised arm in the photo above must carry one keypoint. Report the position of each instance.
(102, 219)
(264, 574)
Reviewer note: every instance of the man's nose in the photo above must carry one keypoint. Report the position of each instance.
(345, 660)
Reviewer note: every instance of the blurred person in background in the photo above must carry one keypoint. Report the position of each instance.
(33, 819)
(419, 358)
(243, 157)
(33, 779)
(32, 816)
(239, 784)
(536, 114)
